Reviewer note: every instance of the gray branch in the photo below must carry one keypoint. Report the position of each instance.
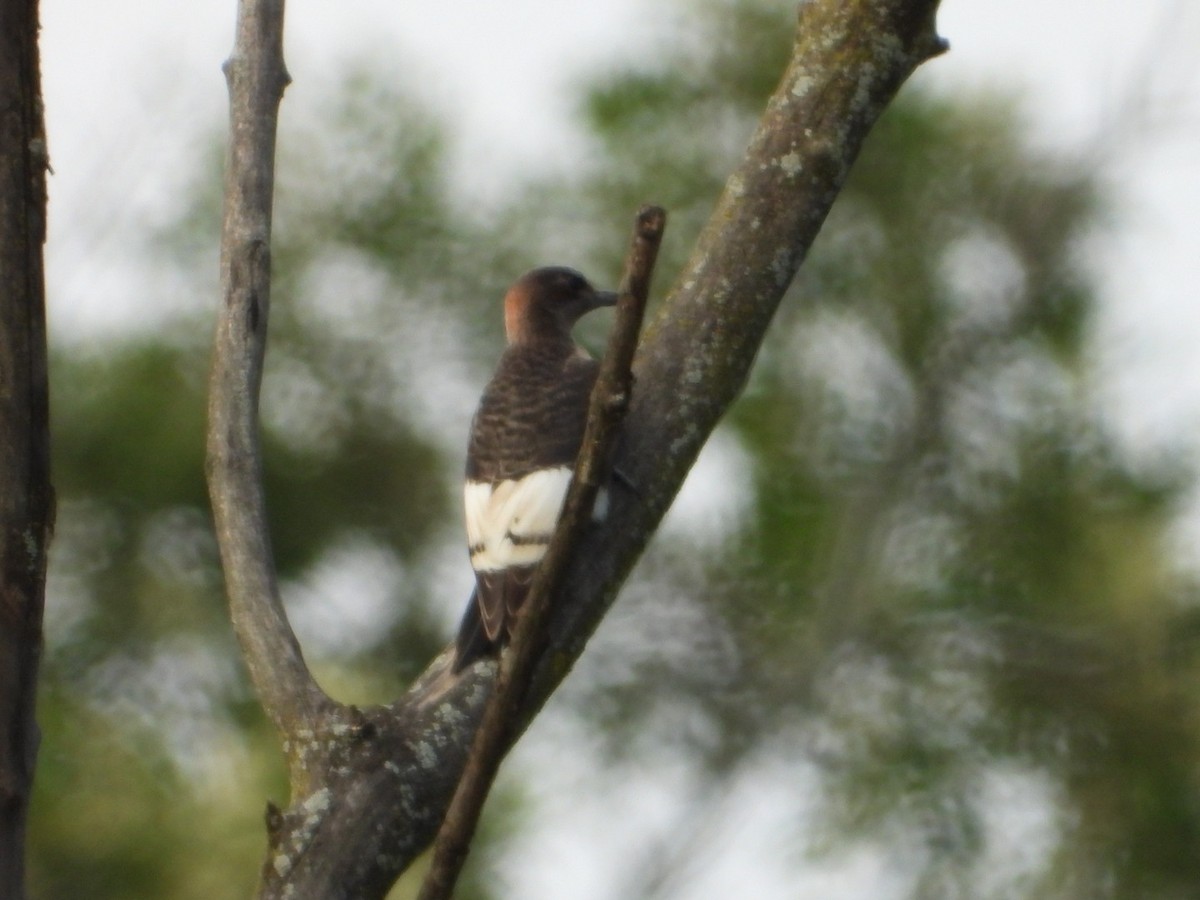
(256, 77)
(370, 786)
(849, 59)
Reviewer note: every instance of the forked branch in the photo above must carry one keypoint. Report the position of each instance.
(359, 820)
(256, 77)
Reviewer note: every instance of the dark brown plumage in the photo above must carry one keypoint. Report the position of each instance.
(524, 439)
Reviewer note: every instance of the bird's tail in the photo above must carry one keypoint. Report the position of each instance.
(472, 642)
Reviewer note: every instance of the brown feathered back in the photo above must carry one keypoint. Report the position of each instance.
(524, 439)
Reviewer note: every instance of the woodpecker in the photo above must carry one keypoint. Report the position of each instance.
(521, 454)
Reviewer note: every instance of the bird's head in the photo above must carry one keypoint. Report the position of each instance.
(545, 304)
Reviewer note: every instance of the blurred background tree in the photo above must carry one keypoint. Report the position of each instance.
(911, 629)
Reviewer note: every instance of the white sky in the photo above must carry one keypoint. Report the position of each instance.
(123, 78)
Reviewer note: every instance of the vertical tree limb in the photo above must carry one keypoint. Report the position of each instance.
(503, 714)
(26, 497)
(256, 78)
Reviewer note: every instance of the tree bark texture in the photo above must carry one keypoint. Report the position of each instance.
(26, 498)
(370, 786)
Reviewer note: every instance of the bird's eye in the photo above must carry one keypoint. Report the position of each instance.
(567, 283)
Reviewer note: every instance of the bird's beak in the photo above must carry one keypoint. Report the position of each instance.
(604, 298)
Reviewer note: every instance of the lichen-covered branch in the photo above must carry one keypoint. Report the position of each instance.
(256, 77)
(503, 714)
(26, 497)
(849, 59)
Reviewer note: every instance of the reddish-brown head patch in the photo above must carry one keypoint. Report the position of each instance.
(544, 304)
(516, 311)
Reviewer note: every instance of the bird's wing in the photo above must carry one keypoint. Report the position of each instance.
(510, 523)
(509, 526)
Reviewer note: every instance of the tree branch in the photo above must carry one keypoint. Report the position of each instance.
(849, 59)
(381, 779)
(26, 497)
(502, 716)
(256, 78)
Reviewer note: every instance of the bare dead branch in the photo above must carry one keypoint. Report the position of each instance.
(26, 497)
(502, 716)
(256, 77)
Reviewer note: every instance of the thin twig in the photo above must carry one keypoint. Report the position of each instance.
(256, 77)
(501, 718)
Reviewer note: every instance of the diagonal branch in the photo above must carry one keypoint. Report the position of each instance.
(256, 77)
(502, 717)
(849, 59)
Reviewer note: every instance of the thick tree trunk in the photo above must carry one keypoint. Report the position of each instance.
(26, 501)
